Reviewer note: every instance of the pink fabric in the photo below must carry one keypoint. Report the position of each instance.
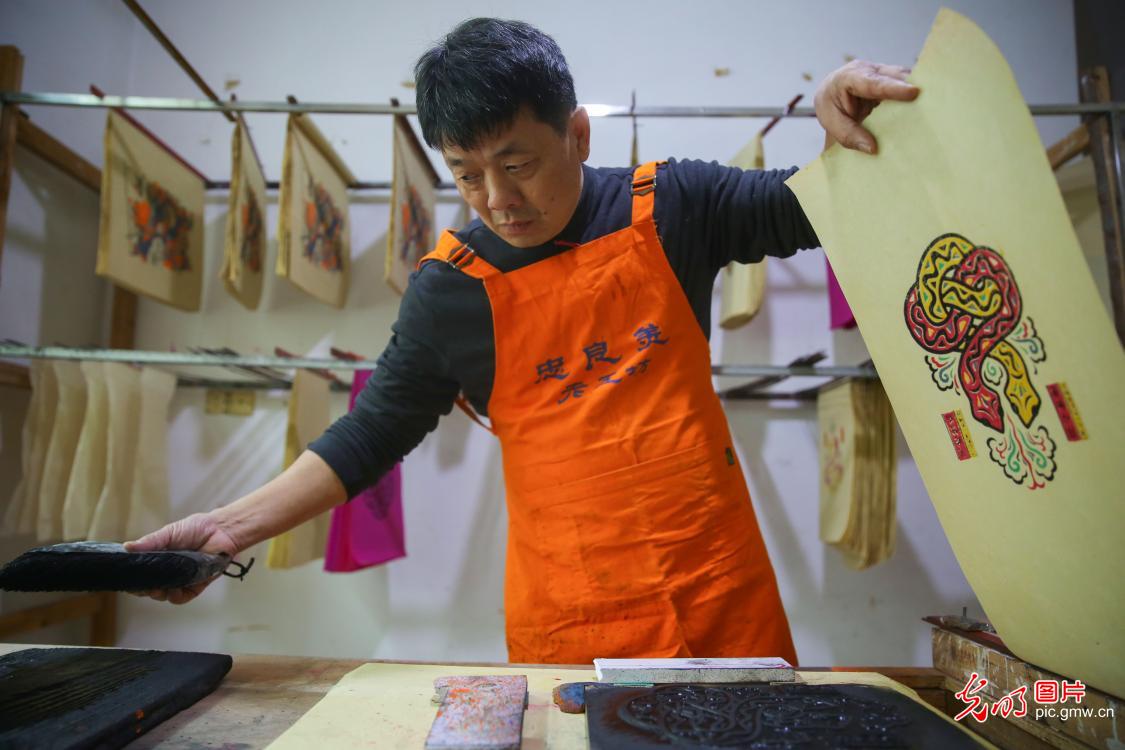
(367, 530)
(839, 312)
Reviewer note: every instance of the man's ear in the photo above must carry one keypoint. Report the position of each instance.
(580, 131)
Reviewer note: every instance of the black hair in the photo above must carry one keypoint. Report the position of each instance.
(478, 78)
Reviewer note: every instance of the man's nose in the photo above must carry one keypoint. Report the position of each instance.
(503, 194)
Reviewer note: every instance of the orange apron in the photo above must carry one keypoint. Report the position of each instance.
(631, 532)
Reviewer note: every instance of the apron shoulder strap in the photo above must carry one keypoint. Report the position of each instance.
(459, 255)
(644, 190)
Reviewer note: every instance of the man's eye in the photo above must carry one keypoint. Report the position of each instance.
(518, 167)
(468, 178)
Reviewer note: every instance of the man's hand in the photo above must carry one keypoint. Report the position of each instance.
(199, 532)
(849, 94)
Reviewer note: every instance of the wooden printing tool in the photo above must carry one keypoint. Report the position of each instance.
(795, 714)
(478, 713)
(71, 698)
(652, 671)
(107, 566)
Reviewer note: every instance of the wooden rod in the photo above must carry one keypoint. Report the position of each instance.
(47, 147)
(1104, 143)
(165, 42)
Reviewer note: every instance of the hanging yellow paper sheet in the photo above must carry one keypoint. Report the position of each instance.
(150, 236)
(955, 251)
(857, 471)
(245, 252)
(744, 284)
(314, 230)
(309, 406)
(413, 199)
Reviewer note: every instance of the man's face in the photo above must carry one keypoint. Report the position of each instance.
(526, 180)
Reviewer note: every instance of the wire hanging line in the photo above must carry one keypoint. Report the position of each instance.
(130, 356)
(48, 99)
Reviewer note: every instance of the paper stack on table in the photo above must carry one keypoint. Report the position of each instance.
(857, 471)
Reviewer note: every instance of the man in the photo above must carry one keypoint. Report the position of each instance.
(574, 314)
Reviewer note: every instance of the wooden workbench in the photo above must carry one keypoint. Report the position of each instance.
(263, 696)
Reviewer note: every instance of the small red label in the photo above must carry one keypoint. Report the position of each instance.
(1068, 413)
(956, 436)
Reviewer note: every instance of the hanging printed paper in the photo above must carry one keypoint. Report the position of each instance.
(744, 284)
(150, 237)
(314, 232)
(245, 252)
(413, 197)
(857, 471)
(959, 260)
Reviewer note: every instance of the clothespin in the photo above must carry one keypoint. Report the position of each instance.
(266, 373)
(326, 374)
(344, 354)
(788, 110)
(152, 136)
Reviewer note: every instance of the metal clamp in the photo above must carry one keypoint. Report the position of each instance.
(242, 569)
(461, 257)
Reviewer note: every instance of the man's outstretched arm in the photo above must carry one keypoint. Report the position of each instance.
(306, 489)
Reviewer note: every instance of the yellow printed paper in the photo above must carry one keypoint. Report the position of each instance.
(412, 207)
(245, 252)
(314, 231)
(956, 253)
(150, 237)
(744, 284)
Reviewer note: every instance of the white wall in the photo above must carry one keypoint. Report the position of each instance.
(444, 601)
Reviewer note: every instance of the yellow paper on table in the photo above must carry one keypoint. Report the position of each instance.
(245, 252)
(309, 403)
(150, 236)
(388, 706)
(744, 284)
(413, 199)
(956, 254)
(314, 231)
